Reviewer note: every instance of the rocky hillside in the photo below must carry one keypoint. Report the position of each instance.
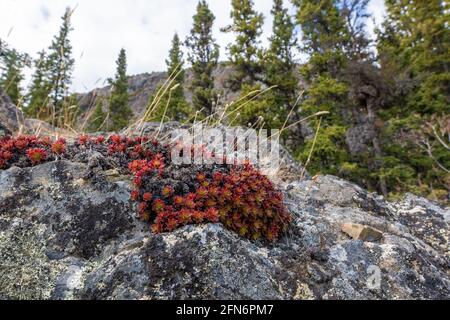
(143, 86)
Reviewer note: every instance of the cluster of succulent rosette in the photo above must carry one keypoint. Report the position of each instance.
(31, 149)
(238, 196)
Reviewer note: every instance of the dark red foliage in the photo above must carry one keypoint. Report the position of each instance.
(147, 196)
(59, 146)
(134, 195)
(242, 199)
(99, 140)
(25, 150)
(167, 191)
(83, 140)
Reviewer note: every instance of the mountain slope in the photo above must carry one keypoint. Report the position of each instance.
(143, 86)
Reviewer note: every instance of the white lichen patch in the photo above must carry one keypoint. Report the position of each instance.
(170, 240)
(303, 292)
(25, 270)
(74, 281)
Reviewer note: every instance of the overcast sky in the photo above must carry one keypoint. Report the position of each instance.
(101, 27)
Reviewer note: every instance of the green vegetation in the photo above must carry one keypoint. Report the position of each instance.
(12, 64)
(203, 57)
(60, 62)
(244, 53)
(39, 89)
(97, 121)
(172, 105)
(119, 110)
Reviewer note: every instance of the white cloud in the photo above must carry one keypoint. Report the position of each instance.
(377, 10)
(101, 27)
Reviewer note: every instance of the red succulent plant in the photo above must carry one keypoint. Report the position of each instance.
(36, 155)
(59, 147)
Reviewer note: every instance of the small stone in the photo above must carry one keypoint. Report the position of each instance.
(361, 232)
(112, 173)
(79, 182)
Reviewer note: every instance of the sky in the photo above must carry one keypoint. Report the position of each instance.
(102, 27)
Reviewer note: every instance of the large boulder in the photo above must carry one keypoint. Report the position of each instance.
(68, 231)
(11, 117)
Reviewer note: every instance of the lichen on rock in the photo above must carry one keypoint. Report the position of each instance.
(68, 230)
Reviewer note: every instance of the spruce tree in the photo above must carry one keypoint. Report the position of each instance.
(12, 76)
(60, 61)
(279, 65)
(203, 56)
(172, 105)
(414, 55)
(98, 117)
(415, 45)
(324, 38)
(39, 91)
(120, 112)
(355, 14)
(245, 52)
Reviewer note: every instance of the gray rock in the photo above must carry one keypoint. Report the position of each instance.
(68, 234)
(143, 86)
(40, 127)
(359, 138)
(10, 116)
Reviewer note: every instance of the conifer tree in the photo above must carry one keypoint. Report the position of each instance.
(60, 61)
(414, 55)
(324, 38)
(279, 65)
(415, 45)
(98, 117)
(39, 90)
(120, 112)
(172, 105)
(355, 15)
(203, 56)
(12, 76)
(245, 52)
